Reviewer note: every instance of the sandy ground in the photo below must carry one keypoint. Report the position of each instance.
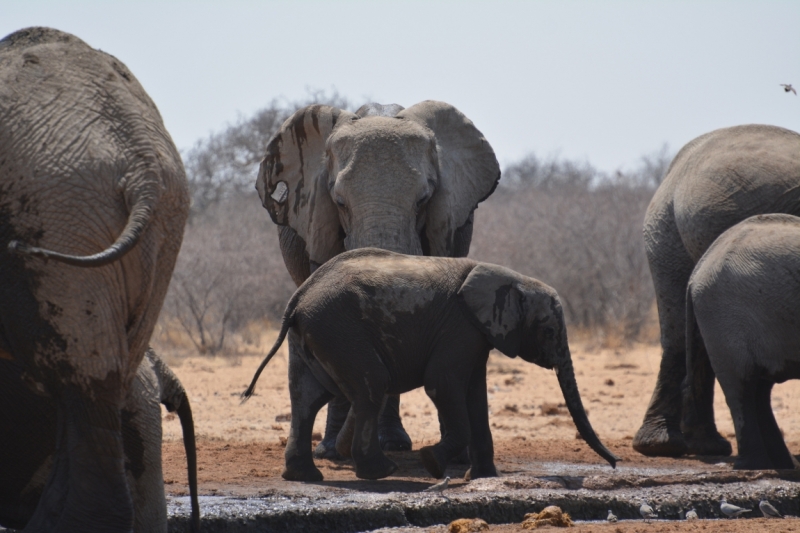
(240, 446)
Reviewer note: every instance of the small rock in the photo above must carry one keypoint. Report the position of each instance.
(467, 525)
(283, 440)
(609, 382)
(550, 516)
(286, 417)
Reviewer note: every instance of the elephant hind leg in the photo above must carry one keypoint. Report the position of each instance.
(88, 489)
(671, 266)
(698, 425)
(371, 462)
(307, 396)
(770, 432)
(742, 397)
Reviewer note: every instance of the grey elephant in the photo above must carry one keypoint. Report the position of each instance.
(93, 202)
(382, 323)
(405, 180)
(715, 182)
(28, 437)
(742, 298)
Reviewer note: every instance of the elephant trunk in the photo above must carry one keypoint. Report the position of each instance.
(190, 445)
(389, 231)
(569, 388)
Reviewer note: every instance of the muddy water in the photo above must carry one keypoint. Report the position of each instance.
(586, 492)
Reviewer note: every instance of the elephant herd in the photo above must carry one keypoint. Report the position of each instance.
(375, 212)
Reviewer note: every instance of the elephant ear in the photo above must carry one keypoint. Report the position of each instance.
(496, 306)
(468, 171)
(292, 179)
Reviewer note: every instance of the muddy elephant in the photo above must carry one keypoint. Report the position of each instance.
(376, 322)
(93, 202)
(28, 439)
(715, 182)
(405, 180)
(743, 300)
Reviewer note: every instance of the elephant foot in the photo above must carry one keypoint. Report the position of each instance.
(433, 460)
(392, 435)
(707, 443)
(753, 463)
(658, 438)
(479, 471)
(462, 458)
(306, 474)
(377, 467)
(393, 438)
(327, 450)
(301, 470)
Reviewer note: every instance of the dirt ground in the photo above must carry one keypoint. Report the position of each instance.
(240, 446)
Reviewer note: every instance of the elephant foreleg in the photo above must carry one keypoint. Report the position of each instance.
(481, 447)
(391, 433)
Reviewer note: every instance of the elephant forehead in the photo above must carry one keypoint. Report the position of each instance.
(370, 130)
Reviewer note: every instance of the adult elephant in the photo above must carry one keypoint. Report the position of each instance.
(93, 202)
(715, 182)
(28, 438)
(404, 180)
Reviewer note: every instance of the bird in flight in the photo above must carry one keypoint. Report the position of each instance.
(787, 87)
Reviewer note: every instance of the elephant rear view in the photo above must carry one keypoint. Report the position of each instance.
(93, 202)
(743, 298)
(715, 181)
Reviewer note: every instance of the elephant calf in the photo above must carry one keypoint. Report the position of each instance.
(743, 298)
(28, 430)
(373, 322)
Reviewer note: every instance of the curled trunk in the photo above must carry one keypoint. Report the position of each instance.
(569, 388)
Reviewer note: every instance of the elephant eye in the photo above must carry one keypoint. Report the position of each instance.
(281, 192)
(340, 202)
(422, 201)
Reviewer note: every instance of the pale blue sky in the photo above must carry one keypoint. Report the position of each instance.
(602, 81)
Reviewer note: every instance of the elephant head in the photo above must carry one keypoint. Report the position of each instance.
(521, 316)
(406, 180)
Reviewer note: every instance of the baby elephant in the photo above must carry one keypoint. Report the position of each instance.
(744, 298)
(373, 322)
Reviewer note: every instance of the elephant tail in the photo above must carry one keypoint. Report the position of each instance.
(288, 320)
(175, 399)
(139, 218)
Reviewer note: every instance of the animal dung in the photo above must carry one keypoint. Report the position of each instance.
(467, 525)
(553, 409)
(549, 516)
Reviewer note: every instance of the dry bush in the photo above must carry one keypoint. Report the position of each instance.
(229, 274)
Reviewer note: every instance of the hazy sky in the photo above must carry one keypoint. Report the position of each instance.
(604, 81)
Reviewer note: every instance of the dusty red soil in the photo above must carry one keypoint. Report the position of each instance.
(240, 448)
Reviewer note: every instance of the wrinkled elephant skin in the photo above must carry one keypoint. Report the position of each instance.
(405, 180)
(383, 323)
(742, 299)
(93, 202)
(715, 182)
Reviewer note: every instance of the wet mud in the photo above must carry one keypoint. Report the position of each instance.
(585, 491)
